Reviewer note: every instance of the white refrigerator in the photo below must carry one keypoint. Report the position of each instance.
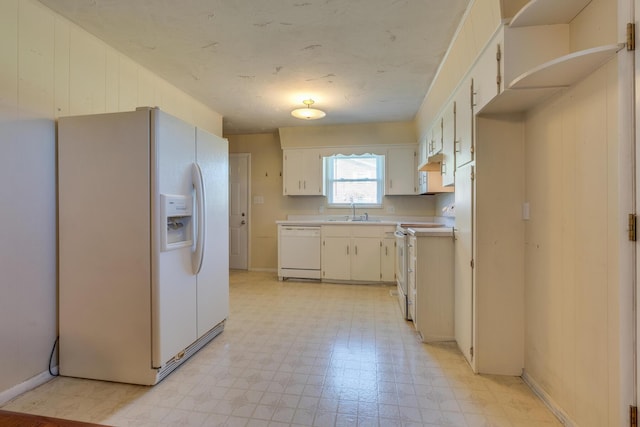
(143, 244)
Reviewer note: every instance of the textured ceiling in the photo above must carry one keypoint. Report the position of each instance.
(253, 61)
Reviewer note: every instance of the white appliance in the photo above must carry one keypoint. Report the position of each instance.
(298, 252)
(143, 244)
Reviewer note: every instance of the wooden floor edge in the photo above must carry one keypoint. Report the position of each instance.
(17, 419)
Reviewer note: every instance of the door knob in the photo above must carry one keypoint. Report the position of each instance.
(243, 222)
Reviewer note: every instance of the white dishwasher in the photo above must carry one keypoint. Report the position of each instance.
(298, 252)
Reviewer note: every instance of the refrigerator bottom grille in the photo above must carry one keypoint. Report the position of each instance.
(190, 351)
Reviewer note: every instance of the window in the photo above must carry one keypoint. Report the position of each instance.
(354, 179)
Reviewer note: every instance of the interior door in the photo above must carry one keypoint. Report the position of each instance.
(239, 178)
(463, 261)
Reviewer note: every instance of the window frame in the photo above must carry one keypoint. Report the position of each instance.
(380, 170)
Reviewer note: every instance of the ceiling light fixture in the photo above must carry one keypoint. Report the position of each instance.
(308, 113)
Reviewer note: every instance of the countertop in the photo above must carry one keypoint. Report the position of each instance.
(319, 222)
(385, 222)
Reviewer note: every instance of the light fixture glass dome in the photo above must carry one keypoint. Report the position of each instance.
(308, 113)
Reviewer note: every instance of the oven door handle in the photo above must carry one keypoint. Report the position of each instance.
(399, 234)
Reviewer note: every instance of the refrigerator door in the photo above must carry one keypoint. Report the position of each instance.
(213, 279)
(173, 292)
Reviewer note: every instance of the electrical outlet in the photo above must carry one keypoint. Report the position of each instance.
(391, 209)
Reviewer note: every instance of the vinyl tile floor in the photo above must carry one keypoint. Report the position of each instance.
(308, 354)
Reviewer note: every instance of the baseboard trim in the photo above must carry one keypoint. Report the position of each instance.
(548, 401)
(30, 384)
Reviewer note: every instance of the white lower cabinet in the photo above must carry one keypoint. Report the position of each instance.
(430, 284)
(336, 257)
(388, 258)
(365, 259)
(356, 253)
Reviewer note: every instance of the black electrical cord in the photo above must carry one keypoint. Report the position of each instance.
(51, 358)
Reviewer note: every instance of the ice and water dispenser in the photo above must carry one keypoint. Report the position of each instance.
(177, 214)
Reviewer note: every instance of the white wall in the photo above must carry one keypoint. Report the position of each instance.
(51, 68)
(572, 280)
(575, 242)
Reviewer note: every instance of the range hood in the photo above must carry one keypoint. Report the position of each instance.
(432, 164)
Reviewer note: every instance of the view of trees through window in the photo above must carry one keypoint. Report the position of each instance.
(355, 179)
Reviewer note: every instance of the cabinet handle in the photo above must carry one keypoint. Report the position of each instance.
(299, 185)
(304, 185)
(458, 144)
(356, 247)
(386, 250)
(443, 168)
(347, 249)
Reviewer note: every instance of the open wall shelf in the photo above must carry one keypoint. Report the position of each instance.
(548, 12)
(539, 83)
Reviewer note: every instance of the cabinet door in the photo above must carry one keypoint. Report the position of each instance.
(401, 171)
(487, 74)
(447, 165)
(464, 124)
(388, 259)
(431, 142)
(291, 183)
(422, 182)
(423, 149)
(311, 173)
(438, 134)
(302, 172)
(463, 278)
(365, 259)
(336, 252)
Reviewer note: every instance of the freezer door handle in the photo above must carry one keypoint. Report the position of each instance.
(198, 184)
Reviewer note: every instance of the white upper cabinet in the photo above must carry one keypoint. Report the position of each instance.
(463, 138)
(401, 171)
(434, 138)
(441, 155)
(302, 172)
(447, 160)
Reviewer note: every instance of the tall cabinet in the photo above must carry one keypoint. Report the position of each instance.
(489, 278)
